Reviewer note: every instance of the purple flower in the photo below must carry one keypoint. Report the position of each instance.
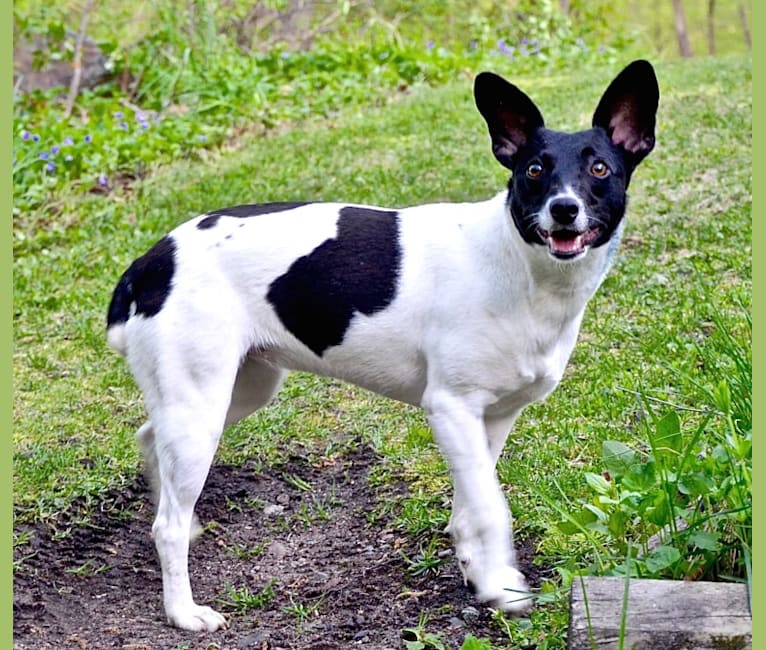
(430, 45)
(103, 180)
(25, 135)
(472, 45)
(68, 158)
(68, 141)
(123, 126)
(505, 48)
(88, 139)
(54, 149)
(50, 168)
(44, 155)
(36, 138)
(143, 124)
(119, 115)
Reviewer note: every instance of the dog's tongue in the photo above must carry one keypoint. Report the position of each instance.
(566, 242)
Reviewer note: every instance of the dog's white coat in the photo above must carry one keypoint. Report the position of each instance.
(482, 324)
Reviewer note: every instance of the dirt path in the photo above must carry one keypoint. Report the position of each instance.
(311, 571)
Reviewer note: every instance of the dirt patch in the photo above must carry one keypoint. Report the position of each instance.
(293, 558)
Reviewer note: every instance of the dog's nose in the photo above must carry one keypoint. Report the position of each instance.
(564, 211)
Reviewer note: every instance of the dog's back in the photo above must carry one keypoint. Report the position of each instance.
(469, 310)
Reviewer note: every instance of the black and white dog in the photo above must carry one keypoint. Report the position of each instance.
(469, 310)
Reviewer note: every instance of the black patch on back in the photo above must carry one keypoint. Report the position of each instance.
(147, 283)
(357, 271)
(244, 211)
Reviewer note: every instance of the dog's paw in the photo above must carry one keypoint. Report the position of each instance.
(198, 618)
(507, 590)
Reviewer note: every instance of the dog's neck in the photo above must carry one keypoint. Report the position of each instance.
(523, 271)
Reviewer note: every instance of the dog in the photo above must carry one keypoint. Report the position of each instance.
(468, 310)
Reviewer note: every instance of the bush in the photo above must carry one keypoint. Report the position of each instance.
(189, 84)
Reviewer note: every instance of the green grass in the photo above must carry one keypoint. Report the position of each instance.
(685, 256)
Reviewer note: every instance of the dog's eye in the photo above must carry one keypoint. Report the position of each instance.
(599, 169)
(535, 170)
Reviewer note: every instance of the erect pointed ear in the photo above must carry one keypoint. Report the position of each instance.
(628, 109)
(511, 116)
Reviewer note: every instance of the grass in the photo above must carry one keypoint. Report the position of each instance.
(686, 257)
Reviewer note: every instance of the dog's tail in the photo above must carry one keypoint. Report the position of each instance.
(119, 313)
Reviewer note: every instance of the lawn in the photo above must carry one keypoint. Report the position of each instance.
(651, 339)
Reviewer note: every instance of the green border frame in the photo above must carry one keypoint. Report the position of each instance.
(6, 337)
(758, 270)
(6, 329)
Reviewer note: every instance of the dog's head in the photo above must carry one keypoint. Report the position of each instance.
(568, 190)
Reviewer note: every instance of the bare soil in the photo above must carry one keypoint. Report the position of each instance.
(329, 575)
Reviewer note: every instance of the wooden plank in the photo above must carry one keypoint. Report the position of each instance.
(661, 615)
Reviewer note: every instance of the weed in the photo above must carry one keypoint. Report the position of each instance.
(242, 552)
(241, 600)
(302, 611)
(89, 567)
(298, 482)
(418, 638)
(681, 507)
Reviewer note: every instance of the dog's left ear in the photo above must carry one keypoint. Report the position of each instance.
(628, 108)
(511, 116)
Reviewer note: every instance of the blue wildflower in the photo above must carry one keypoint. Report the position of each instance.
(25, 135)
(119, 115)
(505, 48)
(44, 155)
(54, 149)
(88, 139)
(123, 126)
(430, 45)
(36, 138)
(103, 180)
(50, 168)
(68, 141)
(68, 158)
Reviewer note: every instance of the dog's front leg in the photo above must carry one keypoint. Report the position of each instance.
(481, 522)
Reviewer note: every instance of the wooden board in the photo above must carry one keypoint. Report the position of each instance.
(661, 615)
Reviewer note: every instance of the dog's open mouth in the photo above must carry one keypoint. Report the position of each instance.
(566, 244)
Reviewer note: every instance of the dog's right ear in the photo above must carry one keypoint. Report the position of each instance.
(511, 116)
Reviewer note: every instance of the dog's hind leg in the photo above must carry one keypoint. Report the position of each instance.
(188, 400)
(256, 384)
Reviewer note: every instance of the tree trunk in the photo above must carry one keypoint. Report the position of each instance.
(683, 37)
(711, 27)
(745, 28)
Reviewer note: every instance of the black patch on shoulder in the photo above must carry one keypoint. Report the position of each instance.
(208, 222)
(244, 211)
(357, 271)
(147, 283)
